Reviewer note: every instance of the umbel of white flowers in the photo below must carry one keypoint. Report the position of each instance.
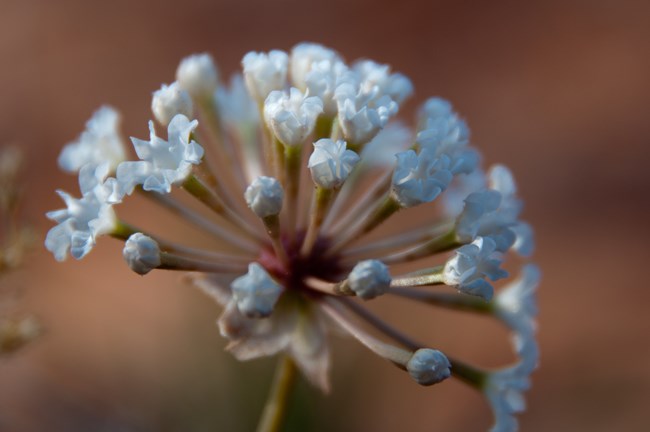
(314, 191)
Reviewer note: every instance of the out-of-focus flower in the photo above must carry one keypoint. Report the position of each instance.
(198, 75)
(99, 143)
(169, 101)
(16, 332)
(16, 239)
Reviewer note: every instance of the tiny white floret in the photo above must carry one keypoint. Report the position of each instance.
(303, 57)
(381, 150)
(428, 367)
(265, 72)
(518, 298)
(198, 75)
(477, 217)
(419, 178)
(444, 132)
(170, 100)
(256, 292)
(86, 218)
(141, 253)
(504, 390)
(331, 163)
(100, 142)
(362, 114)
(292, 116)
(373, 74)
(236, 107)
(470, 265)
(264, 196)
(322, 82)
(369, 279)
(163, 163)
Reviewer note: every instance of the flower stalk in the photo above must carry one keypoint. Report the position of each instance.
(277, 403)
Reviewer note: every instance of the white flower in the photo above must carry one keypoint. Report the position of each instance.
(163, 163)
(362, 114)
(518, 234)
(495, 213)
(453, 200)
(444, 132)
(373, 74)
(303, 57)
(381, 150)
(295, 328)
(369, 279)
(169, 101)
(330, 163)
(419, 178)
(322, 81)
(516, 306)
(504, 391)
(264, 73)
(264, 196)
(100, 142)
(235, 105)
(316, 259)
(479, 216)
(470, 265)
(517, 301)
(141, 253)
(256, 292)
(291, 116)
(84, 219)
(524, 243)
(428, 366)
(198, 75)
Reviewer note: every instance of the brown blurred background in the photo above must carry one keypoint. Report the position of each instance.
(557, 90)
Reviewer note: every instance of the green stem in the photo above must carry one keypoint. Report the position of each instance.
(322, 200)
(443, 243)
(275, 410)
(292, 159)
(430, 276)
(200, 191)
(123, 231)
(467, 373)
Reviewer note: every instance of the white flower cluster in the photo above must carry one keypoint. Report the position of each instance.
(86, 218)
(100, 142)
(494, 212)
(471, 264)
(289, 258)
(163, 164)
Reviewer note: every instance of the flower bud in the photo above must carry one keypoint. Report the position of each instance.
(265, 72)
(428, 367)
(169, 101)
(369, 279)
(256, 292)
(141, 253)
(330, 163)
(197, 74)
(264, 196)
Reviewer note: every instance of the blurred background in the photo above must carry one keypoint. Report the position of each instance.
(557, 90)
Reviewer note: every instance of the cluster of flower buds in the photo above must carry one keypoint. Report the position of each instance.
(299, 159)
